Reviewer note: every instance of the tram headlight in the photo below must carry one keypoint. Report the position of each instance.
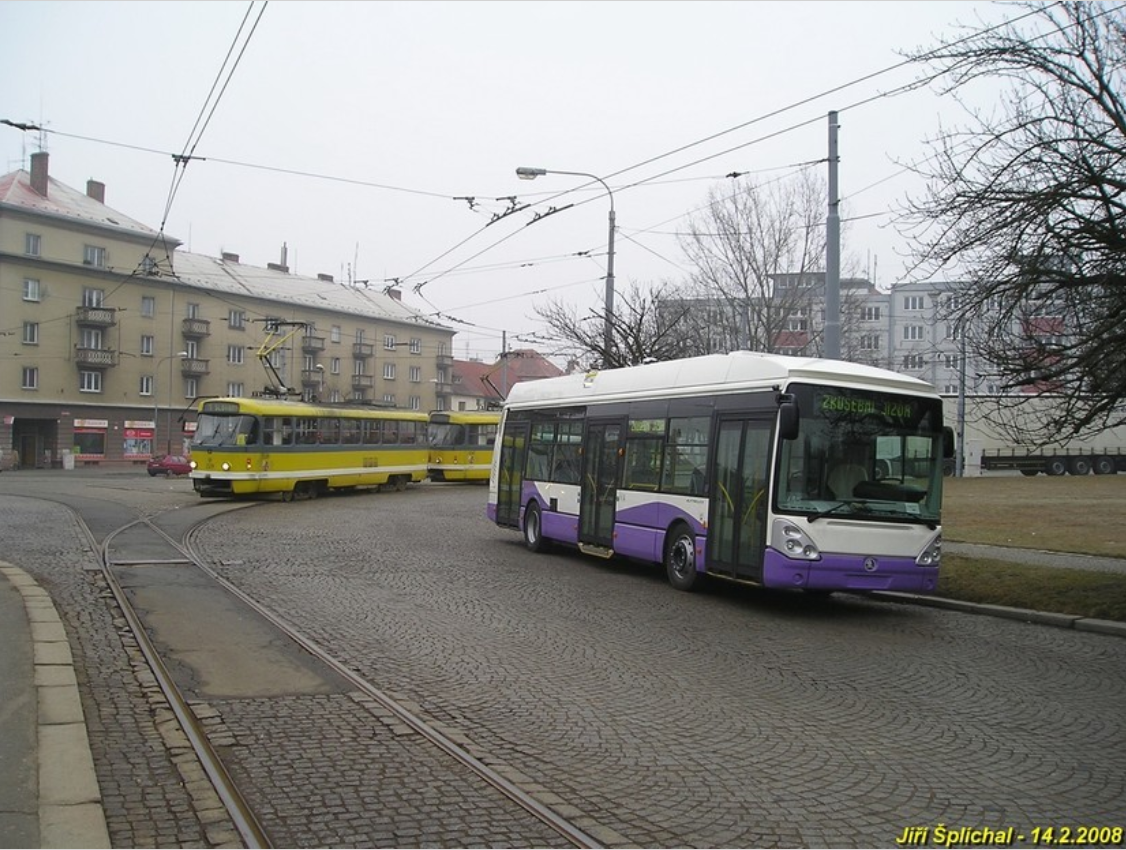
(931, 556)
(226, 467)
(793, 542)
(192, 464)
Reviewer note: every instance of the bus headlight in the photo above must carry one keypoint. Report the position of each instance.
(931, 555)
(793, 542)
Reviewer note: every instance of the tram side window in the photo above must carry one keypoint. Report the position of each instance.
(390, 432)
(350, 433)
(539, 451)
(686, 455)
(306, 432)
(372, 432)
(329, 431)
(408, 433)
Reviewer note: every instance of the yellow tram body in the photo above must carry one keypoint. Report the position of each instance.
(257, 446)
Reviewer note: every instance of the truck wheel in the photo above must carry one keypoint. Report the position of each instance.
(1080, 466)
(1105, 465)
(1030, 472)
(1055, 466)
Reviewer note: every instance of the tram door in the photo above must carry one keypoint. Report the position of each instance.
(513, 451)
(602, 459)
(737, 526)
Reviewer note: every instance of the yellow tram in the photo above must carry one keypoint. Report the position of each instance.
(254, 446)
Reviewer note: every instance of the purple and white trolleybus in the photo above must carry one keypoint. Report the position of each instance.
(783, 472)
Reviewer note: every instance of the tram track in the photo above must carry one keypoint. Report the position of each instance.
(140, 549)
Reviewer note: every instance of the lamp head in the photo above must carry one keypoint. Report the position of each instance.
(525, 173)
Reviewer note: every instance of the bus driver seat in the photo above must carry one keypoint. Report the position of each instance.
(844, 478)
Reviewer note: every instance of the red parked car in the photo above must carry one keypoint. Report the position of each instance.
(170, 465)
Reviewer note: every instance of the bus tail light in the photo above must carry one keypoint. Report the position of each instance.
(931, 556)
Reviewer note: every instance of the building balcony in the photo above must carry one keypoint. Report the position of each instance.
(97, 358)
(191, 367)
(312, 377)
(313, 344)
(360, 382)
(443, 387)
(98, 317)
(445, 360)
(362, 350)
(195, 328)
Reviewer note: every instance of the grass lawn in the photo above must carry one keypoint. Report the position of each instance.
(1063, 514)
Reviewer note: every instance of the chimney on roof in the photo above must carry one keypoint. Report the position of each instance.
(277, 267)
(228, 257)
(96, 190)
(284, 255)
(39, 173)
(325, 277)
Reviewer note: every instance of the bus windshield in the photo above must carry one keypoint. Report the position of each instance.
(862, 454)
(215, 431)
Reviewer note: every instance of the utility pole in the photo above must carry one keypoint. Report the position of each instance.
(833, 252)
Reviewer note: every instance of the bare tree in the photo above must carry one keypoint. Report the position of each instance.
(1028, 201)
(644, 329)
(759, 253)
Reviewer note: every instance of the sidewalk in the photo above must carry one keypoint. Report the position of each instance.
(49, 796)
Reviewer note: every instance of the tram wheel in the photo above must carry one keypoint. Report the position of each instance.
(287, 495)
(680, 558)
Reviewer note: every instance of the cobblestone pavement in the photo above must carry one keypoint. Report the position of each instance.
(728, 718)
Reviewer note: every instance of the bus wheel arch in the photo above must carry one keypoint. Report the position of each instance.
(533, 527)
(680, 557)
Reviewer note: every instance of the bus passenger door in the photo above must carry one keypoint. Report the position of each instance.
(737, 526)
(602, 458)
(513, 450)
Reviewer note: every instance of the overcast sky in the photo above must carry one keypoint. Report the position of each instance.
(379, 140)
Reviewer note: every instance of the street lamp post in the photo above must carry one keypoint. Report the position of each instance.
(525, 173)
(168, 418)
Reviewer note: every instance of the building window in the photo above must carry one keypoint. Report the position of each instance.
(235, 354)
(912, 332)
(31, 333)
(146, 384)
(94, 256)
(416, 402)
(93, 297)
(234, 388)
(416, 374)
(334, 365)
(91, 338)
(148, 264)
(191, 388)
(30, 289)
(148, 306)
(147, 343)
(90, 382)
(334, 334)
(950, 361)
(360, 335)
(235, 320)
(32, 244)
(416, 345)
(389, 371)
(389, 399)
(389, 342)
(194, 312)
(870, 342)
(950, 389)
(30, 378)
(913, 302)
(870, 314)
(913, 361)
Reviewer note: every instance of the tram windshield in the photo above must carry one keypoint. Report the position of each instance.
(235, 430)
(446, 434)
(864, 455)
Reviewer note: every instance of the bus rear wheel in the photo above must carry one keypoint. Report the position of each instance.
(533, 528)
(680, 558)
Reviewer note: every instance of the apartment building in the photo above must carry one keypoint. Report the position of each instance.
(109, 333)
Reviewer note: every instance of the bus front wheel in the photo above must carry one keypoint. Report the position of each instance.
(533, 528)
(680, 558)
